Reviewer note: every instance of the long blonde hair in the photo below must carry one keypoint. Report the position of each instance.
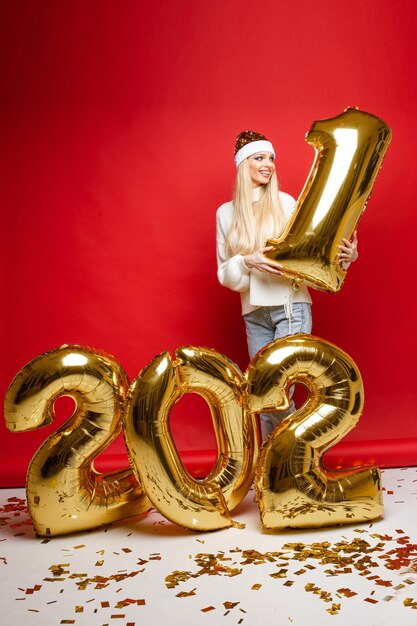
(250, 228)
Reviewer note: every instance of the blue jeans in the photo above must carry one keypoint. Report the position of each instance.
(263, 326)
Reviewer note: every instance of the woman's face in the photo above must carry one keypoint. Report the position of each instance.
(261, 168)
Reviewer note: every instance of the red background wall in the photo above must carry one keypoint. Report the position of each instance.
(118, 124)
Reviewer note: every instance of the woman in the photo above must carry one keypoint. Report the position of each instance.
(271, 308)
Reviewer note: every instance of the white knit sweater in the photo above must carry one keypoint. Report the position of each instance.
(256, 288)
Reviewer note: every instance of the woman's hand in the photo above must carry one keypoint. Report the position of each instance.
(258, 261)
(348, 251)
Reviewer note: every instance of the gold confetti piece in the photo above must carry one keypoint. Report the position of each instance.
(118, 616)
(335, 609)
(200, 540)
(208, 608)
(347, 592)
(256, 587)
(99, 563)
(410, 602)
(230, 605)
(371, 600)
(185, 594)
(79, 609)
(288, 583)
(128, 601)
(82, 545)
(105, 604)
(31, 591)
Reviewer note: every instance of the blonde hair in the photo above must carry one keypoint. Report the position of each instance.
(250, 228)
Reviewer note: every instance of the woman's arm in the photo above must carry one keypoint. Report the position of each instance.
(231, 271)
(234, 272)
(260, 262)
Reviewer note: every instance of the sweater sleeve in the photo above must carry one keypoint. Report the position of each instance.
(231, 271)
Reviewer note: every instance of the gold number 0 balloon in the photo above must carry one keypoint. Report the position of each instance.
(64, 492)
(349, 152)
(194, 504)
(292, 486)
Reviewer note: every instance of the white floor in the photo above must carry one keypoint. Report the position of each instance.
(119, 575)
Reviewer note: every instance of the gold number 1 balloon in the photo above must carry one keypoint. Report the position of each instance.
(65, 494)
(349, 152)
(293, 487)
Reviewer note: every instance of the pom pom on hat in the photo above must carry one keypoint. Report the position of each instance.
(249, 142)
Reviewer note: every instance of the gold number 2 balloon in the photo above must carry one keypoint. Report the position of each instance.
(64, 492)
(349, 152)
(293, 487)
(191, 503)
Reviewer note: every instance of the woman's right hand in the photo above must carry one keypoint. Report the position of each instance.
(258, 261)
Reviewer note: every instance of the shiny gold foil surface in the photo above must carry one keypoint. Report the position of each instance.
(349, 149)
(293, 487)
(65, 494)
(191, 503)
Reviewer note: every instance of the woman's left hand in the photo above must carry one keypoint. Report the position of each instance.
(348, 251)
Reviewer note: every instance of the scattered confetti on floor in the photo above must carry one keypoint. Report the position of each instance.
(143, 571)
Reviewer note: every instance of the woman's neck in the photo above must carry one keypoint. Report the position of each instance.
(256, 194)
